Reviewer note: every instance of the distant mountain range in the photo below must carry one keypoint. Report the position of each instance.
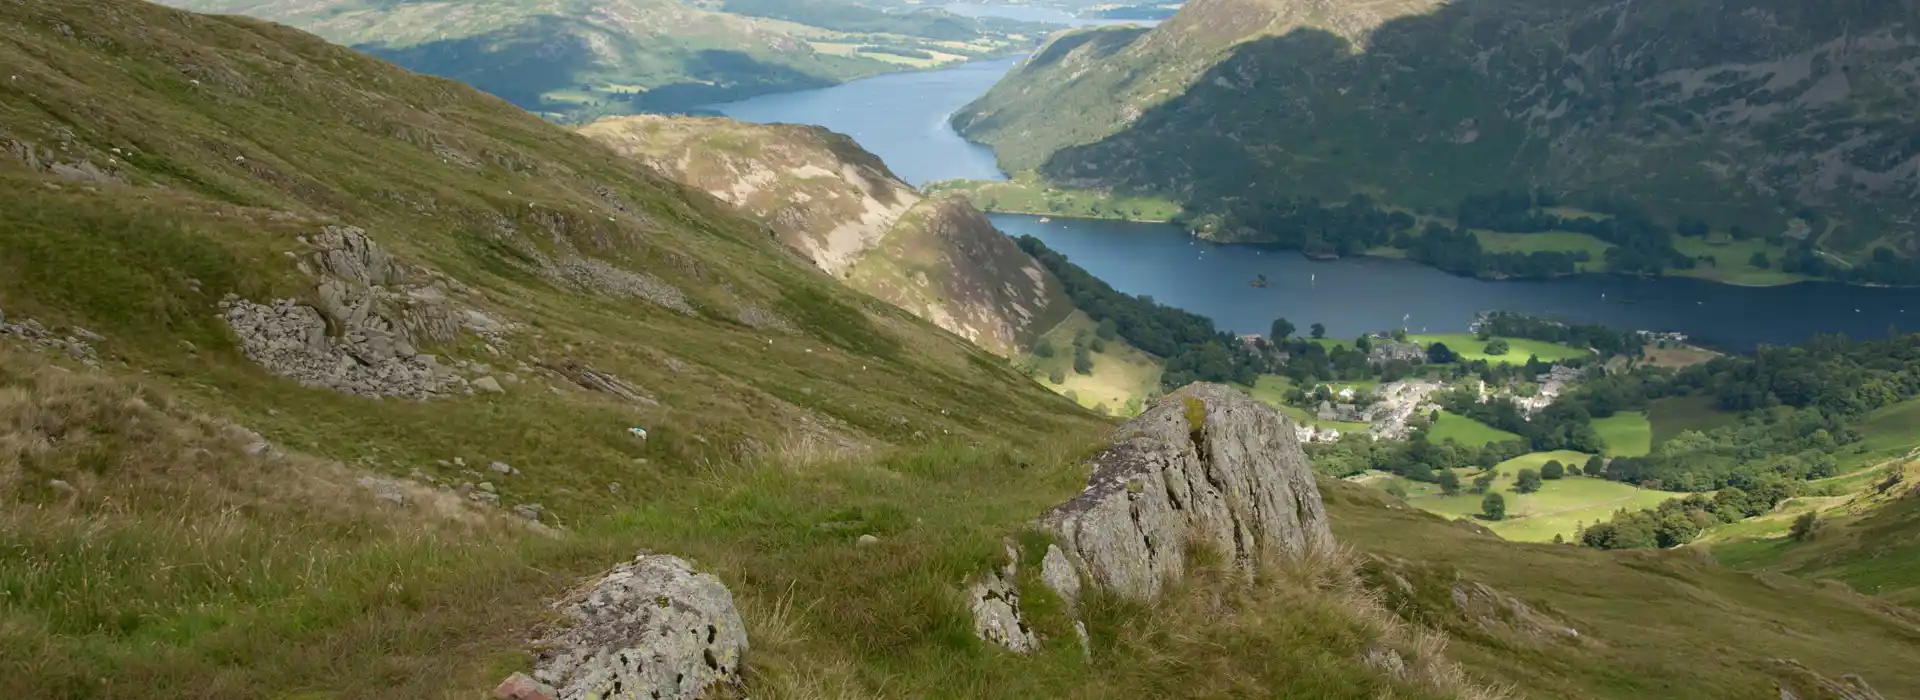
(576, 60)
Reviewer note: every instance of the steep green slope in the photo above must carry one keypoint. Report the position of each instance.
(1868, 539)
(577, 59)
(198, 210)
(841, 207)
(1738, 112)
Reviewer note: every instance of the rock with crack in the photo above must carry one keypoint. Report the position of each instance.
(994, 601)
(650, 628)
(1207, 466)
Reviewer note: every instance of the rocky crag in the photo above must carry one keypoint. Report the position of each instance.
(1206, 468)
(846, 213)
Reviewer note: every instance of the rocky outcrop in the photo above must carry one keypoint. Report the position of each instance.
(994, 601)
(1207, 467)
(844, 211)
(364, 334)
(651, 628)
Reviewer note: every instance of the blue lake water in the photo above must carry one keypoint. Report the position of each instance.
(903, 119)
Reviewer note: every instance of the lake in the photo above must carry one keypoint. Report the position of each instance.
(903, 118)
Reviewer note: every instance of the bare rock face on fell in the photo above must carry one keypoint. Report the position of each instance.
(1206, 466)
(651, 628)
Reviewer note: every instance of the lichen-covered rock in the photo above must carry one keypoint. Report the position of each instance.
(994, 601)
(652, 628)
(1206, 466)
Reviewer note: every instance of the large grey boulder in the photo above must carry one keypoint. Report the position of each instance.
(652, 628)
(1205, 466)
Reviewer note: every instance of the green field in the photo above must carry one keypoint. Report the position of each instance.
(1560, 507)
(1026, 194)
(1552, 241)
(1466, 431)
(1122, 373)
(1672, 416)
(1731, 261)
(1471, 348)
(1272, 389)
(1627, 434)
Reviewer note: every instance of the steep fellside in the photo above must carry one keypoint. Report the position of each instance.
(839, 205)
(1748, 112)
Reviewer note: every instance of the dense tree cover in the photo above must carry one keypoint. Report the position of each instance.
(1360, 224)
(1677, 521)
(1600, 339)
(1193, 349)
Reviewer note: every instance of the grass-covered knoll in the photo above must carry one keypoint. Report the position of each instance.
(1026, 194)
(1658, 613)
(1466, 431)
(1121, 375)
(1865, 539)
(1471, 348)
(1671, 416)
(1626, 434)
(1558, 508)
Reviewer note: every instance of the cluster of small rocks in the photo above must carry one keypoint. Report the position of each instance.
(478, 489)
(76, 342)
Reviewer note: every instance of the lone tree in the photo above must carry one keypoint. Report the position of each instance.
(1760, 260)
(1481, 483)
(1494, 506)
(1318, 330)
(1804, 526)
(1449, 482)
(1497, 347)
(1281, 329)
(1082, 361)
(1440, 354)
(1527, 482)
(1107, 329)
(1044, 348)
(1553, 469)
(1596, 466)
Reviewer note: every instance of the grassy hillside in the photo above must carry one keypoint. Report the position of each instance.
(579, 60)
(172, 550)
(1236, 101)
(1867, 539)
(1648, 611)
(1121, 374)
(1671, 416)
(183, 522)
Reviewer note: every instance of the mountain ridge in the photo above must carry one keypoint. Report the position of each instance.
(1769, 116)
